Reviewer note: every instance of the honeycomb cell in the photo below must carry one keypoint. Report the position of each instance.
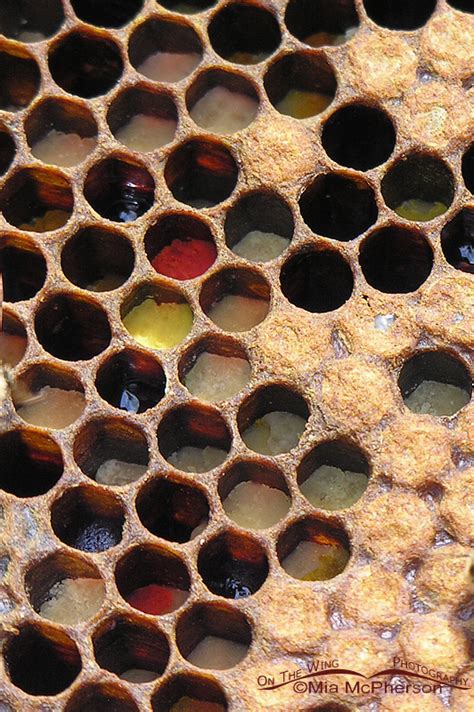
(85, 63)
(72, 328)
(456, 507)
(31, 463)
(244, 33)
(20, 79)
(188, 7)
(403, 15)
(322, 22)
(441, 643)
(236, 299)
(313, 550)
(457, 241)
(301, 84)
(13, 341)
(23, 268)
(41, 660)
(396, 260)
(359, 136)
(116, 13)
(7, 149)
(468, 168)
(101, 697)
(201, 173)
(462, 5)
(131, 380)
(26, 21)
(190, 692)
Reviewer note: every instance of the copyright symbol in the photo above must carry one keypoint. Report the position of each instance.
(300, 686)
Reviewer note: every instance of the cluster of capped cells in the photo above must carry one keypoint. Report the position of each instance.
(237, 248)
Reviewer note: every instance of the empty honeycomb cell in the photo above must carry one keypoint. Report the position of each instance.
(85, 63)
(37, 200)
(13, 341)
(131, 380)
(418, 187)
(301, 84)
(317, 280)
(60, 131)
(98, 259)
(244, 33)
(236, 299)
(31, 463)
(72, 328)
(396, 260)
(201, 172)
(180, 246)
(359, 136)
(334, 475)
(7, 149)
(143, 119)
(88, 519)
(48, 396)
(259, 226)
(20, 78)
(194, 438)
(115, 13)
(41, 660)
(468, 168)
(462, 5)
(172, 509)
(101, 697)
(323, 22)
(254, 495)
(457, 241)
(188, 692)
(26, 21)
(338, 206)
(435, 382)
(313, 550)
(187, 7)
(403, 15)
(153, 580)
(127, 648)
(272, 419)
(23, 268)
(65, 588)
(213, 636)
(119, 188)
(165, 50)
(222, 102)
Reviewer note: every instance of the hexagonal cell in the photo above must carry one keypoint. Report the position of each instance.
(98, 259)
(418, 187)
(20, 78)
(187, 691)
(119, 188)
(317, 280)
(301, 84)
(112, 451)
(322, 22)
(101, 697)
(30, 463)
(172, 510)
(457, 241)
(396, 260)
(334, 475)
(165, 50)
(272, 419)
(213, 636)
(137, 652)
(338, 206)
(65, 588)
(7, 149)
(37, 200)
(222, 102)
(359, 136)
(201, 173)
(48, 396)
(41, 660)
(61, 132)
(244, 33)
(254, 495)
(27, 21)
(23, 268)
(404, 15)
(88, 518)
(194, 438)
(153, 579)
(215, 369)
(131, 380)
(233, 565)
(157, 317)
(435, 382)
(313, 550)
(115, 14)
(13, 341)
(468, 168)
(180, 246)
(85, 63)
(72, 328)
(236, 299)
(259, 226)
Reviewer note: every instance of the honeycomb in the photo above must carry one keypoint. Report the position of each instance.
(362, 306)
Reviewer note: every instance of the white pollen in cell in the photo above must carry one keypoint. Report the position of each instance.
(169, 66)
(256, 506)
(71, 601)
(215, 378)
(274, 433)
(217, 653)
(435, 398)
(259, 246)
(332, 488)
(223, 111)
(236, 313)
(117, 472)
(196, 459)
(52, 407)
(63, 149)
(138, 675)
(146, 133)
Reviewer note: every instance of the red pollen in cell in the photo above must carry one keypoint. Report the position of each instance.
(152, 599)
(185, 259)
